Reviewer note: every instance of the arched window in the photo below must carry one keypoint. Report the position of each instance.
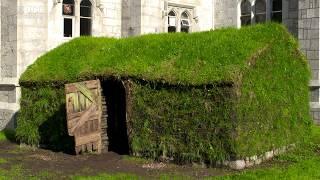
(172, 22)
(245, 13)
(68, 13)
(260, 11)
(185, 22)
(85, 18)
(276, 11)
(68, 7)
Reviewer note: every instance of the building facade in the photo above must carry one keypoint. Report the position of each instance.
(29, 28)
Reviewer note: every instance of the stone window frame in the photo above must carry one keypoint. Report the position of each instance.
(178, 10)
(187, 18)
(76, 18)
(175, 17)
(268, 11)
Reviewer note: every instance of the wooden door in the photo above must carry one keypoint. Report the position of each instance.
(83, 103)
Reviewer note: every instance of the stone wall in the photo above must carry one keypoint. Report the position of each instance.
(151, 16)
(152, 19)
(6, 119)
(309, 33)
(31, 28)
(226, 13)
(32, 31)
(8, 60)
(315, 113)
(257, 159)
(9, 39)
(110, 13)
(309, 39)
(291, 15)
(131, 18)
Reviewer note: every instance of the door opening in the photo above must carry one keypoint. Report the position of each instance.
(115, 96)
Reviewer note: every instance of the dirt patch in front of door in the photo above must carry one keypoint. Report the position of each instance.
(64, 166)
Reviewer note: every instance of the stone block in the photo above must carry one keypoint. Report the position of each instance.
(258, 161)
(237, 165)
(314, 95)
(5, 117)
(268, 155)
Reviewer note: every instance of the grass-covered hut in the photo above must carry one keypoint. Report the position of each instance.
(204, 97)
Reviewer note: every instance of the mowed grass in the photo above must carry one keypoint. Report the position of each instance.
(302, 163)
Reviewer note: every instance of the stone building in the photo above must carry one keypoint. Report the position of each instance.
(29, 28)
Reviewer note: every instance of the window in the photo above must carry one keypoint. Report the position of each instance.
(85, 18)
(172, 20)
(67, 27)
(260, 11)
(276, 11)
(68, 13)
(245, 13)
(68, 7)
(185, 22)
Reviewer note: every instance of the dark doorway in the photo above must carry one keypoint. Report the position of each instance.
(115, 96)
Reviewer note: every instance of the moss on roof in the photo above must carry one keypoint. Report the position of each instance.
(191, 59)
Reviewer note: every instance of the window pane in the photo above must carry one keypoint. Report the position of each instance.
(261, 18)
(245, 20)
(172, 21)
(67, 27)
(184, 15)
(277, 5)
(68, 8)
(245, 13)
(260, 11)
(68, 1)
(260, 7)
(85, 27)
(185, 29)
(276, 11)
(85, 8)
(172, 29)
(85, 11)
(277, 17)
(245, 7)
(185, 23)
(171, 13)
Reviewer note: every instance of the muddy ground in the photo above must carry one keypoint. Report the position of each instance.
(64, 166)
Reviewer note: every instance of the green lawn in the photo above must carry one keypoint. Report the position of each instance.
(302, 163)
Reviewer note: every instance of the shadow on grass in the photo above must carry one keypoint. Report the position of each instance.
(9, 135)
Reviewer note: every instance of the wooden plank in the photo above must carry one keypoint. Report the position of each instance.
(76, 107)
(71, 88)
(69, 103)
(74, 121)
(89, 138)
(76, 115)
(82, 102)
(83, 118)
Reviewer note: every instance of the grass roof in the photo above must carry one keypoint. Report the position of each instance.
(180, 58)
